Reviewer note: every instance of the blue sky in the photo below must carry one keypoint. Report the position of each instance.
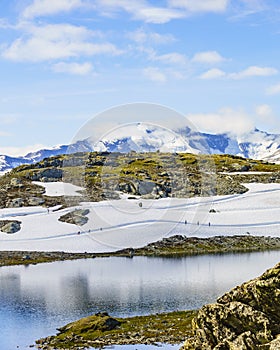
(64, 61)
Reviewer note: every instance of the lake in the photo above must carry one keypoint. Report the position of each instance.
(37, 299)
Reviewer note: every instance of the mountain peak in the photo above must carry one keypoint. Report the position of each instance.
(142, 137)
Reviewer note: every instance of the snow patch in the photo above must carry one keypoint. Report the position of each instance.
(56, 189)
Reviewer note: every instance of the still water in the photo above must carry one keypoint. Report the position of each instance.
(37, 299)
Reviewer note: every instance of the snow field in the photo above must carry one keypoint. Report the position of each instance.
(122, 223)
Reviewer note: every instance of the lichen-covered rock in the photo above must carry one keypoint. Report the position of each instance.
(10, 227)
(15, 181)
(246, 318)
(16, 203)
(275, 344)
(100, 321)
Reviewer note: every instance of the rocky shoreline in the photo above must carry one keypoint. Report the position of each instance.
(179, 245)
(9, 258)
(167, 247)
(246, 318)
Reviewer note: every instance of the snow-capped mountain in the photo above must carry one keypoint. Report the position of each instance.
(142, 137)
(255, 144)
(146, 138)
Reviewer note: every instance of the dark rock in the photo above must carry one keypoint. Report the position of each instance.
(76, 217)
(10, 226)
(245, 168)
(126, 187)
(33, 201)
(15, 203)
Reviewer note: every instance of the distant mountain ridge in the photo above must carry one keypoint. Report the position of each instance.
(7, 163)
(144, 138)
(255, 144)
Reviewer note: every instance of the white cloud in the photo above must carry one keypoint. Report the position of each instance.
(49, 7)
(56, 41)
(73, 68)
(147, 12)
(214, 73)
(142, 36)
(158, 15)
(245, 8)
(170, 58)
(140, 10)
(200, 5)
(263, 110)
(265, 116)
(273, 90)
(254, 71)
(21, 151)
(209, 57)
(155, 74)
(226, 120)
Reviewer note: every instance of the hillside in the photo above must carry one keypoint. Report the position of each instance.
(149, 175)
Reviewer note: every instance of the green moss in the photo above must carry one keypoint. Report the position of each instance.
(101, 329)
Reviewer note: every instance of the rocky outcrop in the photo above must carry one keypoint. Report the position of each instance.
(76, 217)
(246, 318)
(100, 321)
(15, 181)
(15, 203)
(10, 227)
(48, 175)
(34, 201)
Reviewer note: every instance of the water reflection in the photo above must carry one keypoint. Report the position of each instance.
(37, 299)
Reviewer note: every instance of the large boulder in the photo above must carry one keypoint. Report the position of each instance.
(246, 318)
(145, 187)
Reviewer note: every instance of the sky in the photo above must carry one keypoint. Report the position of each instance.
(64, 61)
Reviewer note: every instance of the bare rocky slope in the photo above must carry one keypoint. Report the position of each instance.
(150, 175)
